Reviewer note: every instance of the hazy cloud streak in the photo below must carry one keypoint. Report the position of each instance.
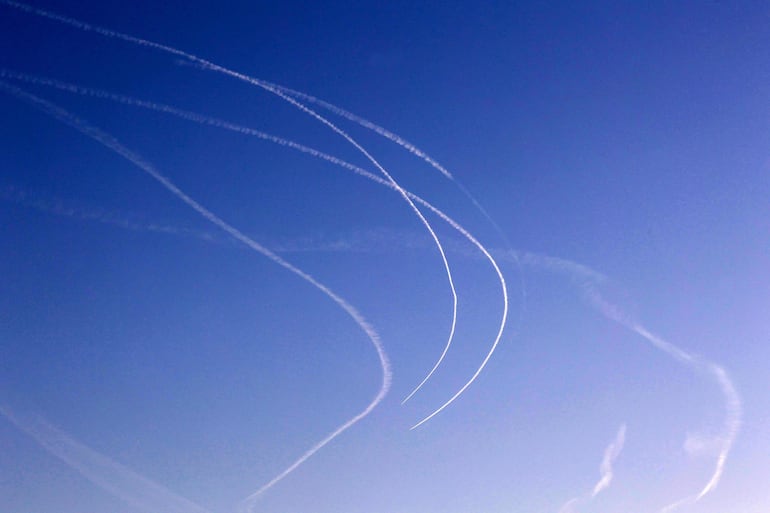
(111, 143)
(113, 477)
(586, 279)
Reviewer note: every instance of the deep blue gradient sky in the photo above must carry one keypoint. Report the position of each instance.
(632, 139)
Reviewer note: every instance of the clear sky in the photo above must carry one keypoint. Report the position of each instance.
(152, 363)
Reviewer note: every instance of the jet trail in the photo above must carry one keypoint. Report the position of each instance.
(113, 477)
(127, 221)
(204, 120)
(113, 144)
(278, 92)
(586, 279)
(422, 155)
(611, 453)
(270, 88)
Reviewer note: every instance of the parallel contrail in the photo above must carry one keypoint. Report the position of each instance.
(586, 279)
(114, 145)
(611, 453)
(218, 123)
(424, 156)
(276, 91)
(117, 479)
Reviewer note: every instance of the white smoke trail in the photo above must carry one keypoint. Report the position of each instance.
(278, 92)
(586, 279)
(611, 453)
(204, 120)
(111, 143)
(425, 157)
(117, 479)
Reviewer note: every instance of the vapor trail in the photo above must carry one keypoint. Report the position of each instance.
(274, 90)
(586, 279)
(422, 155)
(278, 92)
(611, 453)
(117, 479)
(113, 144)
(127, 221)
(205, 120)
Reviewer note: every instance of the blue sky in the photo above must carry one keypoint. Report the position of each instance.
(620, 149)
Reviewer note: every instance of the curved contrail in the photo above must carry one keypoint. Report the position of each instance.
(215, 122)
(582, 276)
(586, 278)
(384, 132)
(113, 144)
(267, 87)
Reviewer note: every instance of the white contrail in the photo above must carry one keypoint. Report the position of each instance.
(274, 90)
(125, 220)
(204, 120)
(111, 143)
(278, 92)
(586, 279)
(611, 453)
(117, 479)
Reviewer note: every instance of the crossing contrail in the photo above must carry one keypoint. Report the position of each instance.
(218, 123)
(586, 279)
(277, 92)
(113, 477)
(611, 453)
(113, 144)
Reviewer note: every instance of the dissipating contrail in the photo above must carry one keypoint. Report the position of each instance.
(117, 479)
(606, 471)
(113, 144)
(277, 92)
(586, 279)
(227, 125)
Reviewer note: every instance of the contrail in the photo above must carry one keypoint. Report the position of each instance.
(125, 220)
(586, 279)
(611, 453)
(272, 89)
(113, 144)
(204, 120)
(117, 479)
(422, 155)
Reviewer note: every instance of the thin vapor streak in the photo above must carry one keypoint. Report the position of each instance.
(611, 453)
(586, 279)
(267, 87)
(276, 91)
(387, 134)
(111, 143)
(422, 155)
(204, 120)
(113, 477)
(127, 221)
(173, 111)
